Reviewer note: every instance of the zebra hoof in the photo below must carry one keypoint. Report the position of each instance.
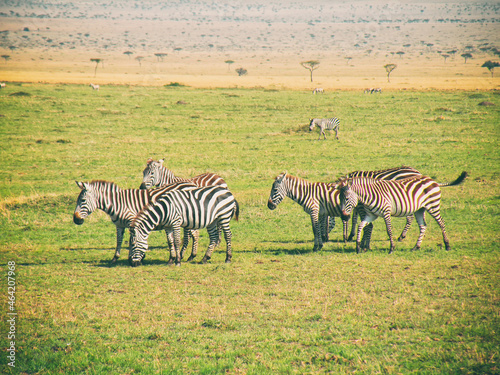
(115, 258)
(205, 260)
(401, 239)
(228, 260)
(191, 257)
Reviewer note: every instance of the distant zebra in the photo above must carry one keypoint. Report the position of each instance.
(368, 91)
(2, 85)
(396, 173)
(319, 200)
(122, 206)
(325, 123)
(378, 90)
(155, 174)
(318, 90)
(94, 87)
(205, 207)
(413, 195)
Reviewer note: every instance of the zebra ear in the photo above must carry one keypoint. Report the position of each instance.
(161, 161)
(81, 185)
(149, 161)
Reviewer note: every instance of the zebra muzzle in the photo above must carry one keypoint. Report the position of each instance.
(271, 205)
(77, 219)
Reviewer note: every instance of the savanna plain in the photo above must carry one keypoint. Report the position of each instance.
(278, 307)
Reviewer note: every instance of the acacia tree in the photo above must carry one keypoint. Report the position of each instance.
(128, 53)
(160, 56)
(491, 65)
(241, 71)
(229, 62)
(6, 58)
(466, 56)
(311, 65)
(139, 60)
(445, 56)
(389, 68)
(97, 61)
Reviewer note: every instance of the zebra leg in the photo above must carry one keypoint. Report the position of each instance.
(213, 234)
(419, 215)
(119, 240)
(323, 219)
(358, 237)
(367, 236)
(353, 225)
(318, 243)
(196, 235)
(337, 132)
(345, 224)
(171, 247)
(409, 220)
(388, 226)
(177, 244)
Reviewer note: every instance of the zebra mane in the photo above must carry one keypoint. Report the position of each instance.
(107, 185)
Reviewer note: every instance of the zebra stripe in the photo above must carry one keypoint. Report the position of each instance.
(396, 173)
(210, 207)
(325, 123)
(155, 174)
(122, 205)
(319, 200)
(413, 195)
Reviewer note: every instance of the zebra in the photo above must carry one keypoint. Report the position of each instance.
(156, 174)
(318, 90)
(94, 87)
(368, 91)
(378, 90)
(387, 198)
(319, 200)
(208, 207)
(122, 206)
(325, 123)
(396, 173)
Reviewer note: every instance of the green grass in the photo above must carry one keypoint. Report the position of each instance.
(278, 308)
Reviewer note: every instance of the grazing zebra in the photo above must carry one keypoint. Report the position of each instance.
(318, 90)
(208, 207)
(122, 206)
(155, 174)
(368, 91)
(325, 123)
(94, 87)
(396, 173)
(413, 195)
(378, 90)
(319, 200)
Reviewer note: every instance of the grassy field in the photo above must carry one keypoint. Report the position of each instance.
(278, 308)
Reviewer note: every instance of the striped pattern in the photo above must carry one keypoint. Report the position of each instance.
(94, 87)
(396, 173)
(319, 200)
(210, 207)
(325, 123)
(318, 90)
(155, 174)
(122, 206)
(401, 198)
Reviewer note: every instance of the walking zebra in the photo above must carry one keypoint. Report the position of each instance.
(318, 90)
(94, 87)
(155, 174)
(325, 123)
(123, 206)
(319, 200)
(396, 173)
(413, 195)
(205, 207)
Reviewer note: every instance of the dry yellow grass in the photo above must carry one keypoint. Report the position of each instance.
(353, 42)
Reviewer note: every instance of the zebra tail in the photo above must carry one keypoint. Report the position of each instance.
(236, 210)
(458, 181)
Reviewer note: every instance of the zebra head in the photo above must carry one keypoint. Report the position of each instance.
(86, 202)
(278, 191)
(151, 175)
(348, 198)
(312, 124)
(137, 248)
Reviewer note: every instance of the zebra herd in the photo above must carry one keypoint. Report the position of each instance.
(167, 202)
